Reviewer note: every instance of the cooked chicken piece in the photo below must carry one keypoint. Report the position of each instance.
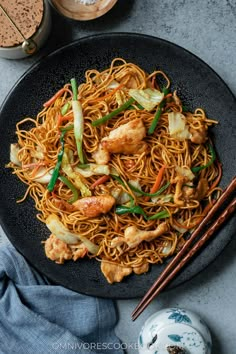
(117, 241)
(138, 148)
(63, 205)
(188, 191)
(101, 156)
(57, 250)
(114, 273)
(178, 191)
(199, 136)
(126, 139)
(80, 252)
(201, 189)
(129, 164)
(134, 236)
(94, 206)
(141, 269)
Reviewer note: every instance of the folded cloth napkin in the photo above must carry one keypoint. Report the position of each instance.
(37, 317)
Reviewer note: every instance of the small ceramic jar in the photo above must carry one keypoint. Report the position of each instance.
(32, 20)
(174, 331)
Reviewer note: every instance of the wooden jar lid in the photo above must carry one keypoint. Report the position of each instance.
(78, 10)
(26, 14)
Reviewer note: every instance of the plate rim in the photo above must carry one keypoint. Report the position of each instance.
(108, 34)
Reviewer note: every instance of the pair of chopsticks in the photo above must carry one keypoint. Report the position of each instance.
(186, 253)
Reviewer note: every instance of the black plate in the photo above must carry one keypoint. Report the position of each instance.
(198, 85)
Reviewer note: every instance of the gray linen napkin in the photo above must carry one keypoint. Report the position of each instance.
(37, 317)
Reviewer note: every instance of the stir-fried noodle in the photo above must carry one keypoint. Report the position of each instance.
(172, 159)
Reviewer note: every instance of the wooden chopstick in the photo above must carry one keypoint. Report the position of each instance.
(178, 261)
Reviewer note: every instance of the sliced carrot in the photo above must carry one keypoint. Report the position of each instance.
(61, 119)
(100, 180)
(58, 94)
(157, 183)
(35, 170)
(109, 94)
(54, 195)
(168, 95)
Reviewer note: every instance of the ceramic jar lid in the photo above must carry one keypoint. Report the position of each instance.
(174, 331)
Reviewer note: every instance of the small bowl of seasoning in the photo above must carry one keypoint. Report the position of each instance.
(83, 10)
(24, 27)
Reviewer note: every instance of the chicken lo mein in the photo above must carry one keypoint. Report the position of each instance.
(119, 169)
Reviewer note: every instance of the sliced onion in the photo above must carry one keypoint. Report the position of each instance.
(14, 149)
(43, 176)
(93, 169)
(61, 232)
(177, 126)
(148, 98)
(185, 172)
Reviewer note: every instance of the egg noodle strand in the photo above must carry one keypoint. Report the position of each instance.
(39, 142)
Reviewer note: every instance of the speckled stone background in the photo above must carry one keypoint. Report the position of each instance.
(207, 28)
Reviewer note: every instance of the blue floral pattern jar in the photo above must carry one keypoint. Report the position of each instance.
(174, 331)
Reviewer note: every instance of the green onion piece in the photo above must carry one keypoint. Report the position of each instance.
(78, 120)
(158, 114)
(213, 157)
(149, 194)
(56, 170)
(71, 187)
(84, 165)
(65, 108)
(113, 113)
(74, 88)
(136, 209)
(162, 189)
(136, 104)
(118, 179)
(161, 215)
(68, 128)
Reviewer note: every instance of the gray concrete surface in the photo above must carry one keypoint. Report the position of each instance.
(207, 28)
